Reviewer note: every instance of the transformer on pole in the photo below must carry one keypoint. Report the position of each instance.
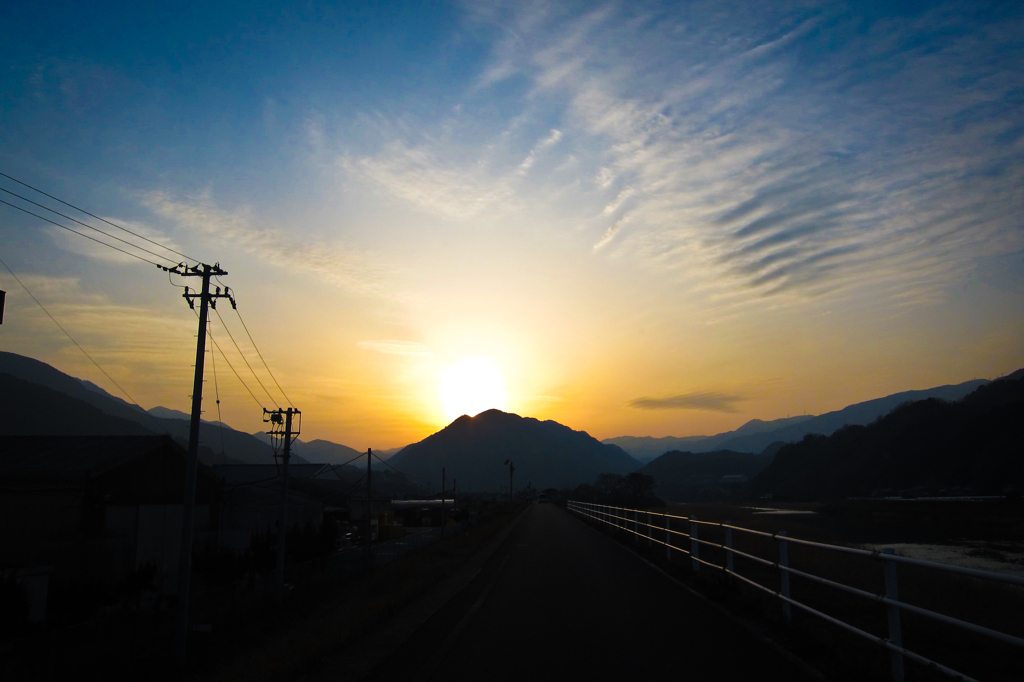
(281, 425)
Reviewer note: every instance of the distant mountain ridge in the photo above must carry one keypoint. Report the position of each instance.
(928, 447)
(545, 453)
(219, 442)
(756, 435)
(318, 450)
(643, 447)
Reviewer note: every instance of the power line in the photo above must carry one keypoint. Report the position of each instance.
(217, 346)
(359, 456)
(125, 229)
(287, 399)
(77, 345)
(244, 359)
(425, 478)
(216, 393)
(95, 229)
(80, 234)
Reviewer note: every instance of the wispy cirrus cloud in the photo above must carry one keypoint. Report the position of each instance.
(426, 174)
(777, 151)
(347, 268)
(710, 401)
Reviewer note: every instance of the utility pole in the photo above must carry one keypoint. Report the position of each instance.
(442, 501)
(206, 300)
(369, 507)
(511, 470)
(278, 418)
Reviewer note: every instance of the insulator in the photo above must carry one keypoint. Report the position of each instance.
(218, 290)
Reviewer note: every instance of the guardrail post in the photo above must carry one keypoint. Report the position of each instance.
(893, 611)
(668, 538)
(729, 563)
(648, 530)
(694, 545)
(787, 612)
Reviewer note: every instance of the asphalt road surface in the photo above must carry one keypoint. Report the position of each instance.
(560, 601)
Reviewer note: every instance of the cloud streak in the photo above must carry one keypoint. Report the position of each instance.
(748, 151)
(349, 269)
(709, 401)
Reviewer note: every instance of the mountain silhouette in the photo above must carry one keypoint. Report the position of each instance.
(546, 454)
(698, 476)
(323, 451)
(756, 435)
(932, 446)
(648, 447)
(219, 444)
(28, 409)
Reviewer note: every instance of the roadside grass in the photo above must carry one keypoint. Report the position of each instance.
(840, 655)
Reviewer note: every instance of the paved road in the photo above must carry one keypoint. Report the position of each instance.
(560, 600)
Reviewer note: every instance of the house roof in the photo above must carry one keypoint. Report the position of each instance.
(68, 459)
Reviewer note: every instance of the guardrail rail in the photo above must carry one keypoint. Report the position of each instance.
(681, 534)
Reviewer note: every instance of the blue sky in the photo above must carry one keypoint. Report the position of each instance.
(778, 207)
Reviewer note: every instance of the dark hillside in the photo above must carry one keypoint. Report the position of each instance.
(229, 444)
(860, 413)
(701, 476)
(28, 409)
(974, 446)
(42, 374)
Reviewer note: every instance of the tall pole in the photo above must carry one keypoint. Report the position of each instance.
(511, 470)
(282, 528)
(369, 507)
(189, 491)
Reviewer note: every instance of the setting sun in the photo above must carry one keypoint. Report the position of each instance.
(472, 386)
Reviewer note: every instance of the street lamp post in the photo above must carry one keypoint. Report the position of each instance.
(511, 470)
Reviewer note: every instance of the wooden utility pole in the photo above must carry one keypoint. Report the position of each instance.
(206, 299)
(283, 418)
(369, 507)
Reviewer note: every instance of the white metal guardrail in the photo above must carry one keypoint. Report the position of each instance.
(689, 543)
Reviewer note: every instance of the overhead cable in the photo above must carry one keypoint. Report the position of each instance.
(161, 428)
(225, 357)
(246, 328)
(382, 461)
(216, 391)
(125, 229)
(245, 360)
(80, 234)
(87, 225)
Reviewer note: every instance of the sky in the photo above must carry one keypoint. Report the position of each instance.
(633, 218)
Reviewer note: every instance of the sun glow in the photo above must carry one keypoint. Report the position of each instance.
(472, 386)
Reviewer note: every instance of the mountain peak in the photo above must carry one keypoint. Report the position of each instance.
(547, 454)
